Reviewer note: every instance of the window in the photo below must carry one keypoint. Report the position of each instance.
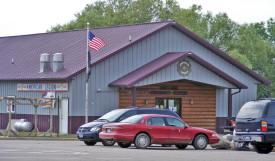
(113, 115)
(174, 122)
(155, 121)
(128, 114)
(271, 110)
(13, 106)
(133, 119)
(253, 109)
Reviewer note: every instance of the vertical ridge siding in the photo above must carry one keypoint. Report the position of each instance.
(221, 102)
(198, 73)
(9, 88)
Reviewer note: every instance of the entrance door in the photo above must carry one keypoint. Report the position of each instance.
(173, 104)
(63, 116)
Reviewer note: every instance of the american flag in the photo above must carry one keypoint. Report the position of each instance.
(95, 43)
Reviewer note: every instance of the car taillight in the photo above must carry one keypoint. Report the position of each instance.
(264, 126)
(233, 123)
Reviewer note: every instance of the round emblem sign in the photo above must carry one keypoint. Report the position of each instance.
(184, 67)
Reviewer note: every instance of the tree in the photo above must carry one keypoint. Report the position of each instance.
(250, 44)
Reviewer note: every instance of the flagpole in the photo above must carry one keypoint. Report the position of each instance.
(87, 76)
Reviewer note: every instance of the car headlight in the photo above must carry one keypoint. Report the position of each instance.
(95, 129)
(214, 135)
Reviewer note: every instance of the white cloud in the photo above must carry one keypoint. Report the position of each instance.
(241, 11)
(35, 16)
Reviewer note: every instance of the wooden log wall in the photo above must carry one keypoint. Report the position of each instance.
(198, 101)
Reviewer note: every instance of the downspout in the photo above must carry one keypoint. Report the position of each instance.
(230, 95)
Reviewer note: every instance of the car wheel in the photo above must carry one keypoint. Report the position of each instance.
(108, 142)
(263, 148)
(123, 144)
(142, 141)
(90, 143)
(181, 146)
(200, 142)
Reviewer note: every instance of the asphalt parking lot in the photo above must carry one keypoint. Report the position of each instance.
(45, 150)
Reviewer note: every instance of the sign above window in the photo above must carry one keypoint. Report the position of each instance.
(41, 87)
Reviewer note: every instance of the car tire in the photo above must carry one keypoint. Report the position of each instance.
(90, 143)
(181, 146)
(142, 141)
(108, 142)
(200, 142)
(124, 144)
(263, 148)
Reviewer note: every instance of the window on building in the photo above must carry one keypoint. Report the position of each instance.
(13, 108)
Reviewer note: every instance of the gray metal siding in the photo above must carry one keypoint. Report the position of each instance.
(9, 88)
(139, 54)
(198, 73)
(221, 102)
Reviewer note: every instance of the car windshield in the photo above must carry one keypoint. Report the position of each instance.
(113, 115)
(133, 119)
(252, 110)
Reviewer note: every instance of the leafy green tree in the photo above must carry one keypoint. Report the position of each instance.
(240, 57)
(250, 44)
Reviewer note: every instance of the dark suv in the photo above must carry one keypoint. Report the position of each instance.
(89, 133)
(255, 123)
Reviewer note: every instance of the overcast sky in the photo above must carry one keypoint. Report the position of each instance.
(19, 17)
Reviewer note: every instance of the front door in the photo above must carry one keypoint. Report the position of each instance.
(63, 116)
(173, 104)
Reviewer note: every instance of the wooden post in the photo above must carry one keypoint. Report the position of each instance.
(9, 103)
(51, 121)
(35, 119)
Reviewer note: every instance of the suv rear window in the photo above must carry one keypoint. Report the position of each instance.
(271, 110)
(253, 109)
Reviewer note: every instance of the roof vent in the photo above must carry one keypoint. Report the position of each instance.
(58, 62)
(12, 61)
(45, 62)
(130, 38)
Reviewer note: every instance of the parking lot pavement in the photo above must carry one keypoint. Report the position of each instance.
(45, 150)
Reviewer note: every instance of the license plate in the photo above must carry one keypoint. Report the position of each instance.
(108, 130)
(247, 138)
(80, 135)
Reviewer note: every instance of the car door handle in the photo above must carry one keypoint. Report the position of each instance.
(150, 128)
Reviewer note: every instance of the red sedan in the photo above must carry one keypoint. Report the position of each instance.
(147, 129)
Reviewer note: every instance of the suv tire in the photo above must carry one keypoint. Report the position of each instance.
(263, 148)
(90, 143)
